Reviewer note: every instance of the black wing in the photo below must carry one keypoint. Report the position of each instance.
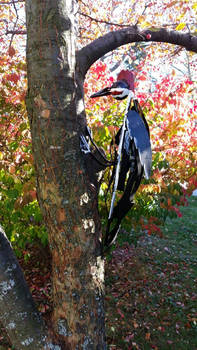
(136, 159)
(139, 133)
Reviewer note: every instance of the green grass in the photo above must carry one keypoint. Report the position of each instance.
(151, 289)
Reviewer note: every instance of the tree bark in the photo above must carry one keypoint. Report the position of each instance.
(66, 195)
(18, 313)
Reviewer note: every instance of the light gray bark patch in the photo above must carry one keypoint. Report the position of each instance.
(11, 325)
(63, 328)
(83, 311)
(52, 347)
(27, 341)
(10, 268)
(76, 296)
(5, 287)
(88, 344)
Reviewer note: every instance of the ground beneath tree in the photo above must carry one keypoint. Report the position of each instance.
(151, 289)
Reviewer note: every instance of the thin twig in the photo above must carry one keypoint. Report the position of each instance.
(16, 32)
(11, 2)
(102, 21)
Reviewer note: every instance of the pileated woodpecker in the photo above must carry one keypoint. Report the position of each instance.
(119, 90)
(134, 154)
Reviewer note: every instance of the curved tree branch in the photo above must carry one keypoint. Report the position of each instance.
(110, 41)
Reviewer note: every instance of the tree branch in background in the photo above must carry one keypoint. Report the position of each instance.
(11, 2)
(97, 20)
(16, 32)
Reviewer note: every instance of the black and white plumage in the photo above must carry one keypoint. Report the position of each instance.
(134, 153)
(140, 135)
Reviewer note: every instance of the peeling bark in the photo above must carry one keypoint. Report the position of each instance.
(67, 196)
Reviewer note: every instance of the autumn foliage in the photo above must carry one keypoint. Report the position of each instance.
(172, 125)
(171, 111)
(20, 213)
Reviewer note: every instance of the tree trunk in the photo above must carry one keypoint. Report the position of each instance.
(16, 304)
(66, 195)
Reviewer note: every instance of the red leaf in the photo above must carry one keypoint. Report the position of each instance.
(11, 51)
(13, 77)
(120, 313)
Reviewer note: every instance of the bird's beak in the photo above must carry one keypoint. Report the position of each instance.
(103, 92)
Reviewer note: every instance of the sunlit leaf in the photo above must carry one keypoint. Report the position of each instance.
(181, 26)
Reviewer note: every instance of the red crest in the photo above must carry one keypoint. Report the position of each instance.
(128, 76)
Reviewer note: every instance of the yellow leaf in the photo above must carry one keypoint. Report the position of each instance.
(180, 26)
(141, 19)
(106, 131)
(145, 24)
(195, 6)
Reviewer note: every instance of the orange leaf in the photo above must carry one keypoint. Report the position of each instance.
(142, 77)
(135, 324)
(147, 336)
